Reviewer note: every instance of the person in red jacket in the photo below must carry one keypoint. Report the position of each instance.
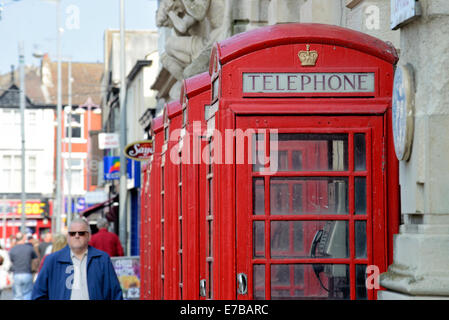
(106, 241)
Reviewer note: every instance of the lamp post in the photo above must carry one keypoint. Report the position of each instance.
(59, 201)
(69, 173)
(22, 128)
(123, 179)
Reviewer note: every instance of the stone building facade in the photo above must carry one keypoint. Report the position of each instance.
(421, 249)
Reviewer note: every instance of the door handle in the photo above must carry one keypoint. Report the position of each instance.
(202, 287)
(242, 283)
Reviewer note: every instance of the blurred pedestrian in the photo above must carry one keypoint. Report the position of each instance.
(59, 242)
(34, 243)
(106, 241)
(22, 256)
(78, 271)
(5, 265)
(46, 242)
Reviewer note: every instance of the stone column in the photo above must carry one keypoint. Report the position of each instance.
(420, 268)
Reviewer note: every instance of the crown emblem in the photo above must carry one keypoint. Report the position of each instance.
(308, 58)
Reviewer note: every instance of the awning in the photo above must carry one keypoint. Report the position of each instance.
(99, 206)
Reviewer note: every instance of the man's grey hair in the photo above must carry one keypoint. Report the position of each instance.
(81, 221)
(102, 223)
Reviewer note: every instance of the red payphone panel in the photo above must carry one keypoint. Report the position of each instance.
(310, 224)
(195, 97)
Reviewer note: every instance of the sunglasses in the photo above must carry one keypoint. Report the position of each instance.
(80, 233)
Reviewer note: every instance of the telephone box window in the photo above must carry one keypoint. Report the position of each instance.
(259, 282)
(360, 278)
(360, 195)
(258, 154)
(287, 239)
(258, 196)
(359, 152)
(259, 239)
(318, 195)
(288, 281)
(309, 152)
(295, 239)
(360, 239)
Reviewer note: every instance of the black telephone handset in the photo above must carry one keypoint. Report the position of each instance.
(319, 241)
(316, 240)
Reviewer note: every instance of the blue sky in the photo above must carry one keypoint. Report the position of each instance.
(84, 22)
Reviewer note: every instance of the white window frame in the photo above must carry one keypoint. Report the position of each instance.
(80, 125)
(74, 156)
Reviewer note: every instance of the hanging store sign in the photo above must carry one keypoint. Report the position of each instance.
(357, 82)
(403, 12)
(111, 168)
(108, 141)
(139, 150)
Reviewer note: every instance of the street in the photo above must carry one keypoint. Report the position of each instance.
(6, 295)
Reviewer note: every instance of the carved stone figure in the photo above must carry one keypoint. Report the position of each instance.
(197, 24)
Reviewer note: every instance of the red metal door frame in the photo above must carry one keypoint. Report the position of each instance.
(304, 125)
(195, 95)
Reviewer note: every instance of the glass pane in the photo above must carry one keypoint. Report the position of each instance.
(211, 197)
(293, 281)
(360, 239)
(76, 132)
(258, 153)
(309, 239)
(209, 237)
(259, 239)
(210, 278)
(309, 152)
(7, 161)
(360, 278)
(259, 282)
(360, 195)
(258, 196)
(287, 239)
(32, 161)
(309, 195)
(359, 152)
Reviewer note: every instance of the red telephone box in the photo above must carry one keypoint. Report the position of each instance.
(144, 227)
(304, 171)
(170, 199)
(151, 273)
(195, 97)
(173, 250)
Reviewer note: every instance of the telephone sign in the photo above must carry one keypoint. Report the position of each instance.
(308, 82)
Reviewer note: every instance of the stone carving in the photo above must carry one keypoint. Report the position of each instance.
(196, 25)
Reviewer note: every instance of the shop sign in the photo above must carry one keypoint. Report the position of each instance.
(139, 150)
(33, 208)
(111, 168)
(108, 140)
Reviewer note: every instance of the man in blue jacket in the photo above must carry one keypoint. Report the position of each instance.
(78, 271)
